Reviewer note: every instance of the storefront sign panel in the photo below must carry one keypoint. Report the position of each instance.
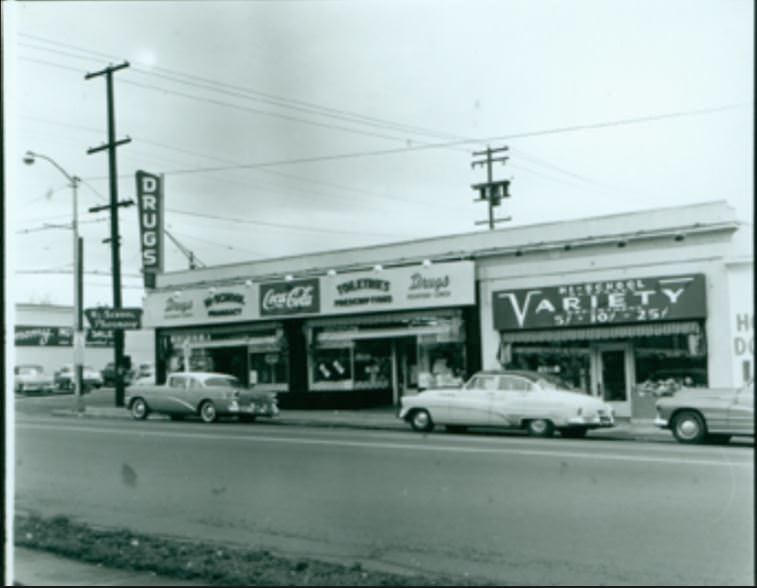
(220, 304)
(43, 336)
(447, 284)
(635, 300)
(150, 205)
(290, 298)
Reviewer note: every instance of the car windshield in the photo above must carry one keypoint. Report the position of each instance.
(222, 382)
(549, 382)
(29, 370)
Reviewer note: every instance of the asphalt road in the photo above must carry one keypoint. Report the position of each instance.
(513, 510)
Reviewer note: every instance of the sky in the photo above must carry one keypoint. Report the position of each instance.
(298, 126)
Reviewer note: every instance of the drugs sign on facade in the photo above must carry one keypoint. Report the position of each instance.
(150, 204)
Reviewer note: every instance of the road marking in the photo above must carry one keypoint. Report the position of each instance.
(677, 460)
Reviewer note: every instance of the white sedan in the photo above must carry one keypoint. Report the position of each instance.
(514, 399)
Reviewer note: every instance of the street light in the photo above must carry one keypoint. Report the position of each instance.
(29, 158)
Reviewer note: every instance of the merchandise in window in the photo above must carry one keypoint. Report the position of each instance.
(373, 364)
(332, 365)
(441, 365)
(665, 363)
(269, 367)
(572, 365)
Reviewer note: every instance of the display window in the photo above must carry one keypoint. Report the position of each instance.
(332, 365)
(372, 365)
(571, 363)
(665, 363)
(269, 367)
(440, 364)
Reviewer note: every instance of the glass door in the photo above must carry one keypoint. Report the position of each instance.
(612, 377)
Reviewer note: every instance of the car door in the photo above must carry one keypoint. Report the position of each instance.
(470, 405)
(168, 398)
(511, 402)
(741, 412)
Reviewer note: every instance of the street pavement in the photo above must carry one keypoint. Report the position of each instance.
(38, 568)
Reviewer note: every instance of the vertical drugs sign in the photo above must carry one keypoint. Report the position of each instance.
(150, 204)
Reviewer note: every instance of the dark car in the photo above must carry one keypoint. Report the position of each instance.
(109, 375)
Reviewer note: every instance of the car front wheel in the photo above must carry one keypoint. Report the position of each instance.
(139, 409)
(208, 412)
(689, 427)
(421, 421)
(540, 428)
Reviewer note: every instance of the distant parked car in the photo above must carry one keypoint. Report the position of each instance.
(64, 378)
(695, 415)
(32, 378)
(204, 394)
(108, 375)
(518, 399)
(145, 370)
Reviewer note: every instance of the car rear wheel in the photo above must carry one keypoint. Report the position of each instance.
(540, 428)
(208, 412)
(139, 409)
(689, 427)
(421, 421)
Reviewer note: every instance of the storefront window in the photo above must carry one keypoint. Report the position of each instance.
(440, 364)
(269, 367)
(572, 365)
(332, 365)
(664, 363)
(373, 364)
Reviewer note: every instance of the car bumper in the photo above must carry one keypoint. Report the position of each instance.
(36, 387)
(593, 422)
(252, 408)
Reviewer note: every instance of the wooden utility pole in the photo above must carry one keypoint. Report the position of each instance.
(111, 145)
(491, 191)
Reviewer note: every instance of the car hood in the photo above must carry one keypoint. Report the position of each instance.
(698, 394)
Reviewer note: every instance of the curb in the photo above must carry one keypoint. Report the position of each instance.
(620, 434)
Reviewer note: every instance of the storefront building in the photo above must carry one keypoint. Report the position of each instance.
(353, 338)
(618, 306)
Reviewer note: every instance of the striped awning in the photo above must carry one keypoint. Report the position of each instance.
(266, 343)
(383, 318)
(593, 333)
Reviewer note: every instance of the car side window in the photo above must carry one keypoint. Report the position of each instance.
(177, 382)
(483, 383)
(192, 383)
(512, 383)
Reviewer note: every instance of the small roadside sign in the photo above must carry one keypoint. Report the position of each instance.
(114, 318)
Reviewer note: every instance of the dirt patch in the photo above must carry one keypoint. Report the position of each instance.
(213, 564)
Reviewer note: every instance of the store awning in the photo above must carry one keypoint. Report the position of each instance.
(270, 342)
(593, 333)
(353, 335)
(379, 319)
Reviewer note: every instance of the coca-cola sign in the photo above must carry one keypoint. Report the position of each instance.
(295, 297)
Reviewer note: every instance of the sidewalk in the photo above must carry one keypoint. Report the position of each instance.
(385, 419)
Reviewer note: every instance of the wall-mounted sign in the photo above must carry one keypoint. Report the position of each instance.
(287, 298)
(596, 303)
(150, 205)
(36, 336)
(114, 318)
(224, 303)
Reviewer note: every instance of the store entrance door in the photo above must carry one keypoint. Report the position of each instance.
(611, 376)
(404, 367)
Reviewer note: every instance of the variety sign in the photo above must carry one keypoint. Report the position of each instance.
(607, 302)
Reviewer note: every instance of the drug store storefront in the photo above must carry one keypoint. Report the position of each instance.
(340, 339)
(621, 340)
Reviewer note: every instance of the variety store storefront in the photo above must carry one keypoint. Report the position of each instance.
(347, 339)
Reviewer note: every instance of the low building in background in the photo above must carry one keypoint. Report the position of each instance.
(43, 335)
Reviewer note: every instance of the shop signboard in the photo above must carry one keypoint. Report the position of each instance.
(444, 284)
(634, 300)
(150, 205)
(48, 336)
(114, 318)
(292, 297)
(43, 336)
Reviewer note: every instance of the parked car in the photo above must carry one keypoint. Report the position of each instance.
(695, 415)
(32, 378)
(205, 394)
(145, 370)
(518, 399)
(64, 378)
(108, 375)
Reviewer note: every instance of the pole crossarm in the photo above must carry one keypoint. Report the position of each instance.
(105, 146)
(107, 70)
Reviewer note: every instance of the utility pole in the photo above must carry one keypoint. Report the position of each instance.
(491, 191)
(118, 334)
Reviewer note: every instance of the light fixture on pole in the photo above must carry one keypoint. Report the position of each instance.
(29, 158)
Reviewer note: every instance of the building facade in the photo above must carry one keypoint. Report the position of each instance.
(617, 306)
(43, 335)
